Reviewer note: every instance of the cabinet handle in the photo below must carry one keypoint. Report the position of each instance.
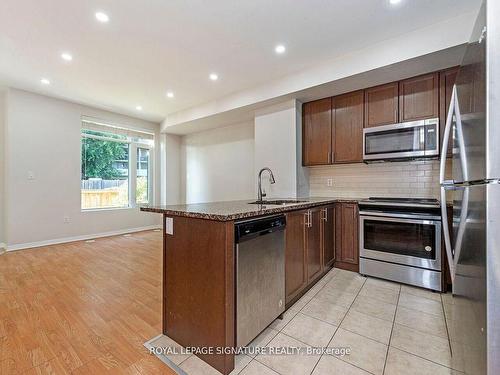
(309, 215)
(306, 219)
(326, 213)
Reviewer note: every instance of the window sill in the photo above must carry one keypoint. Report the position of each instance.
(108, 209)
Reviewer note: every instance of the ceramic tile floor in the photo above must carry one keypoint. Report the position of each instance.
(390, 329)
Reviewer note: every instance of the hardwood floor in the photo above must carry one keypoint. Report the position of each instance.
(82, 308)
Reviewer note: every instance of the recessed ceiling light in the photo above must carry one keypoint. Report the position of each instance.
(66, 56)
(394, 2)
(45, 81)
(213, 76)
(102, 17)
(170, 94)
(139, 108)
(280, 48)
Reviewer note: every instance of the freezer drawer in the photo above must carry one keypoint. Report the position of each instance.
(403, 274)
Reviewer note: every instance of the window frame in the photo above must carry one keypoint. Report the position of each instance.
(133, 146)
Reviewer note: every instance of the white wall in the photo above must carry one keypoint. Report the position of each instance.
(278, 146)
(43, 137)
(171, 169)
(2, 161)
(217, 165)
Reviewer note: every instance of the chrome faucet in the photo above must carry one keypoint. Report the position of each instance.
(262, 194)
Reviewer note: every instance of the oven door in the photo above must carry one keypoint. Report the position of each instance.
(406, 140)
(409, 241)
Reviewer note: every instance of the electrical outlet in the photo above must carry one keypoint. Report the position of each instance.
(329, 182)
(67, 220)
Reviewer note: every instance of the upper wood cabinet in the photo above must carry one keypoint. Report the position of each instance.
(328, 235)
(446, 81)
(419, 98)
(348, 127)
(382, 105)
(317, 130)
(346, 236)
(332, 128)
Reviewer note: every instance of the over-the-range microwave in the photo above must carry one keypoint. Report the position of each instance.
(407, 140)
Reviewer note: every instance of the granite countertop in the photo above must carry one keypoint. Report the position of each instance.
(234, 210)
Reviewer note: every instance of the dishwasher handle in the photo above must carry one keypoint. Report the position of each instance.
(250, 229)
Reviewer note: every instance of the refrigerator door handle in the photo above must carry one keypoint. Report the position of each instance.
(446, 233)
(461, 227)
(446, 138)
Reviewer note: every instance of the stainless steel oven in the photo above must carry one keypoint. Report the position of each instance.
(400, 240)
(408, 140)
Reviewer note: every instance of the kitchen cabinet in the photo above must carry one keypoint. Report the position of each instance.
(346, 236)
(328, 235)
(446, 81)
(310, 237)
(347, 135)
(419, 98)
(313, 244)
(295, 254)
(317, 130)
(332, 128)
(382, 105)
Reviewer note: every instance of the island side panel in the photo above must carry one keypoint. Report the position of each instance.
(198, 291)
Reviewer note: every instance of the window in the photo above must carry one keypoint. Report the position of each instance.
(142, 192)
(116, 166)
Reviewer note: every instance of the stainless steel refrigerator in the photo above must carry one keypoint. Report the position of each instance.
(472, 239)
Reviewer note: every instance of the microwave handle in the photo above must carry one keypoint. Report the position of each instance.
(446, 138)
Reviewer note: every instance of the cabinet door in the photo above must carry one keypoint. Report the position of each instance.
(346, 230)
(295, 254)
(316, 132)
(446, 81)
(419, 98)
(381, 105)
(350, 233)
(313, 241)
(348, 127)
(328, 235)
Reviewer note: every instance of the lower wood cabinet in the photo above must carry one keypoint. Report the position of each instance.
(295, 254)
(313, 244)
(346, 236)
(310, 236)
(328, 235)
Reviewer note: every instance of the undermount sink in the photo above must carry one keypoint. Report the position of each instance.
(277, 202)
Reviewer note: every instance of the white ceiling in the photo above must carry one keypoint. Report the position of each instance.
(152, 46)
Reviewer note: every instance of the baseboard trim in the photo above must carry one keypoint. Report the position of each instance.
(31, 245)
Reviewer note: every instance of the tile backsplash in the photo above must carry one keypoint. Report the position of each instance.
(393, 179)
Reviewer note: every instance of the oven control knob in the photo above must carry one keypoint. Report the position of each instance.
(428, 248)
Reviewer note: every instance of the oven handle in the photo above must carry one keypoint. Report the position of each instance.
(398, 217)
(402, 220)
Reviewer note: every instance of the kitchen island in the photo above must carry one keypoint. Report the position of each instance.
(199, 269)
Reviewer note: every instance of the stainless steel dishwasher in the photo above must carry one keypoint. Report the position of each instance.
(260, 275)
